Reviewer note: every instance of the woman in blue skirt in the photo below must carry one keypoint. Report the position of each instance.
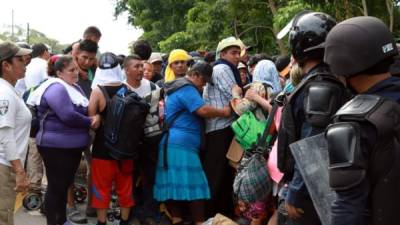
(180, 179)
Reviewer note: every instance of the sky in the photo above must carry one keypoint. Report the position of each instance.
(65, 21)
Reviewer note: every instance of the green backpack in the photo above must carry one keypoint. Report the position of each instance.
(248, 129)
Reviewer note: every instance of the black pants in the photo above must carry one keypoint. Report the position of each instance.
(145, 167)
(61, 165)
(219, 173)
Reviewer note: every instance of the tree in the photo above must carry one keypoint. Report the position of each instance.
(179, 40)
(158, 18)
(34, 38)
(365, 8)
(200, 24)
(274, 11)
(390, 7)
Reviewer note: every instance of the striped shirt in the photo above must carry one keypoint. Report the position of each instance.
(218, 95)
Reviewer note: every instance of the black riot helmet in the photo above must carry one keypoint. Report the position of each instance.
(359, 45)
(308, 35)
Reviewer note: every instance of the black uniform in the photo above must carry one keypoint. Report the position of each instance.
(309, 107)
(364, 140)
(364, 145)
(307, 113)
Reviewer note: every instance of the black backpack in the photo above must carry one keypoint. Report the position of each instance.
(124, 123)
(36, 123)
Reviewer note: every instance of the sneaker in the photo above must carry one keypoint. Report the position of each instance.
(90, 212)
(75, 216)
(35, 212)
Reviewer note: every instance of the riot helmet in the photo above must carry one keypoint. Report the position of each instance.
(282, 33)
(358, 44)
(308, 35)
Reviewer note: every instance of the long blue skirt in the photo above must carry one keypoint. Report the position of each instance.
(184, 178)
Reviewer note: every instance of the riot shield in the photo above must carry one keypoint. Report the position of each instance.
(312, 159)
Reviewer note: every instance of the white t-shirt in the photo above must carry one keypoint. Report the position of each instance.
(144, 88)
(36, 72)
(20, 86)
(15, 125)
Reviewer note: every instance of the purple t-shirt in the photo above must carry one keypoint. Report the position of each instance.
(66, 125)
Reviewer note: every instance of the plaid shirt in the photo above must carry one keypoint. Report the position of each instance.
(218, 94)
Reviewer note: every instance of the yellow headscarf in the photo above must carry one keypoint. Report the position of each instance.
(175, 55)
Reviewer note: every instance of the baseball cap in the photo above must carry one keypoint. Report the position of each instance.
(22, 44)
(241, 66)
(9, 49)
(108, 60)
(282, 64)
(155, 57)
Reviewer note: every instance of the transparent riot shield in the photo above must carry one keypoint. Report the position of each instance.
(312, 159)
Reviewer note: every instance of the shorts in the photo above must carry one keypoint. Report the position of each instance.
(107, 172)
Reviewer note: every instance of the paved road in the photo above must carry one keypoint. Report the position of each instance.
(23, 217)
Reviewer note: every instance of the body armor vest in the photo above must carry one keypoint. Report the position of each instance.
(383, 169)
(288, 132)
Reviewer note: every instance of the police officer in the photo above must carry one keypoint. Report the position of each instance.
(308, 109)
(364, 140)
(15, 124)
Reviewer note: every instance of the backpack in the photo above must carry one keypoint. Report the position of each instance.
(36, 123)
(156, 125)
(124, 123)
(247, 129)
(153, 126)
(252, 182)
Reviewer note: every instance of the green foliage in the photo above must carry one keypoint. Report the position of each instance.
(200, 24)
(181, 40)
(207, 24)
(158, 18)
(35, 37)
(287, 12)
(38, 37)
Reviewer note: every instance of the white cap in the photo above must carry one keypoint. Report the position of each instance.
(155, 57)
(241, 66)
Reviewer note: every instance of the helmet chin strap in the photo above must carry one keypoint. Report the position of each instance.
(351, 89)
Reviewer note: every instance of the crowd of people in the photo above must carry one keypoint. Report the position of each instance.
(212, 136)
